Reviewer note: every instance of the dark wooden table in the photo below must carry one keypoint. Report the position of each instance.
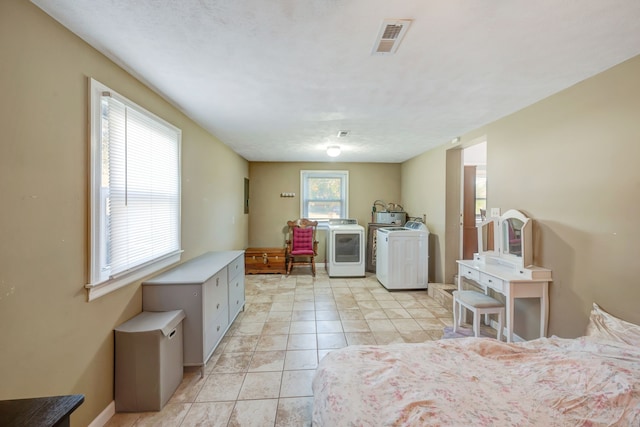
(53, 411)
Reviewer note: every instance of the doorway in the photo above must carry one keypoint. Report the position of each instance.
(474, 196)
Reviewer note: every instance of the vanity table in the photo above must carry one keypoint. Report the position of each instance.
(503, 264)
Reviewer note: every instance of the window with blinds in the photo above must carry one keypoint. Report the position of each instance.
(324, 194)
(135, 186)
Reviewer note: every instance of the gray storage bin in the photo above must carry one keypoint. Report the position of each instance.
(148, 360)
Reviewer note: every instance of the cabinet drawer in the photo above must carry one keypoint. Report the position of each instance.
(236, 297)
(214, 296)
(491, 282)
(236, 268)
(214, 331)
(470, 273)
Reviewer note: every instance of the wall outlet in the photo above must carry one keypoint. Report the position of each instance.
(495, 212)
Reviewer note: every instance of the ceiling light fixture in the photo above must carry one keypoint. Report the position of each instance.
(333, 151)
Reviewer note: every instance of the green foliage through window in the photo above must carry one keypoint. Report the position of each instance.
(324, 194)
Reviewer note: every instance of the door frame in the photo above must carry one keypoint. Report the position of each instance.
(454, 205)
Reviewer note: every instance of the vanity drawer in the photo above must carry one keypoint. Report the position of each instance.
(470, 273)
(492, 282)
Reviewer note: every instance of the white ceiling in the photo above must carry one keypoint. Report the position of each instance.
(276, 80)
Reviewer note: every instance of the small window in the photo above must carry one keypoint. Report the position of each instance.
(135, 192)
(324, 194)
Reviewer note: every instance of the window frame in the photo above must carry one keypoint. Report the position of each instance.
(98, 285)
(344, 200)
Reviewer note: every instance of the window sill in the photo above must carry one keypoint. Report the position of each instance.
(95, 291)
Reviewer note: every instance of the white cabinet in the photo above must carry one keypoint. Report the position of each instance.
(210, 290)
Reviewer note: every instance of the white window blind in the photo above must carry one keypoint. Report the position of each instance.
(136, 221)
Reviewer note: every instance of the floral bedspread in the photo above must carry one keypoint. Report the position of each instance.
(480, 382)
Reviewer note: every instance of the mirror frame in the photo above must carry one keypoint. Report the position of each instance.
(527, 250)
(496, 237)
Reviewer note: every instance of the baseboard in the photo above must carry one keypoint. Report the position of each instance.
(104, 416)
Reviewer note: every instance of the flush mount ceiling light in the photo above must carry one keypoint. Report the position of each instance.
(333, 150)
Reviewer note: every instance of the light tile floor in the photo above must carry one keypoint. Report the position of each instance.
(260, 374)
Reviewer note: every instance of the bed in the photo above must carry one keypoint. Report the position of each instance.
(587, 381)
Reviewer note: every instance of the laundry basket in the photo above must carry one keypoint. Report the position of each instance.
(148, 360)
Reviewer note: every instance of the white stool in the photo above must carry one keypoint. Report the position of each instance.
(479, 304)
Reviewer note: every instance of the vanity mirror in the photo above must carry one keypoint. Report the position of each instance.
(488, 237)
(515, 241)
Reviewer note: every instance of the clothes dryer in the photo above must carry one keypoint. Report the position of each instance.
(345, 248)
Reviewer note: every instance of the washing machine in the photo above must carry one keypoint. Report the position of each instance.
(345, 247)
(402, 256)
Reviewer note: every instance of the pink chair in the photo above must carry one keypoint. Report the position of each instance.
(302, 246)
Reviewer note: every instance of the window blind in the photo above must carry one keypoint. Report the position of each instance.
(141, 183)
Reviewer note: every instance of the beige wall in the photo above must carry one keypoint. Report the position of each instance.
(570, 163)
(269, 212)
(54, 342)
(424, 190)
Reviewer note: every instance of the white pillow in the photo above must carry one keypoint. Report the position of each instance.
(603, 325)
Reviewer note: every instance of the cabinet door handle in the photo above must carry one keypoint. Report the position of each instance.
(217, 281)
(217, 306)
(218, 328)
(490, 281)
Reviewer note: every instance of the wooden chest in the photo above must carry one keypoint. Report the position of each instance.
(264, 260)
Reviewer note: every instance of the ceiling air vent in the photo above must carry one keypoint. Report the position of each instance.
(390, 35)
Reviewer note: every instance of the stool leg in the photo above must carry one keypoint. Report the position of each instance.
(476, 324)
(455, 315)
(500, 322)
